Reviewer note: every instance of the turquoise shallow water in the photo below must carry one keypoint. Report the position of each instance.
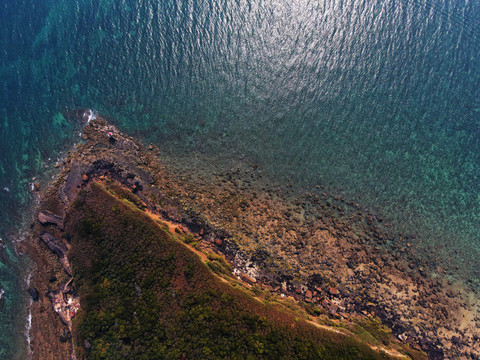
(379, 99)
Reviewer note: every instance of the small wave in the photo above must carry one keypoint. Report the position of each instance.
(90, 115)
(28, 278)
(28, 329)
(28, 325)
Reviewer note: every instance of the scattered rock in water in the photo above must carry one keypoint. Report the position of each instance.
(81, 115)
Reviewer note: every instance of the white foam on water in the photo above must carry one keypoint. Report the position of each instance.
(28, 325)
(91, 115)
(28, 330)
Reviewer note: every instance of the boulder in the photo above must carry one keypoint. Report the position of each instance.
(247, 279)
(33, 293)
(46, 217)
(333, 291)
(332, 310)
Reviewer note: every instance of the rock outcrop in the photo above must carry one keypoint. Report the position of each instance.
(54, 245)
(46, 217)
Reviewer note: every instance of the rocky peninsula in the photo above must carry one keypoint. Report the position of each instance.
(340, 279)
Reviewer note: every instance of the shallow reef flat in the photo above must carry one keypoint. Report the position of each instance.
(140, 254)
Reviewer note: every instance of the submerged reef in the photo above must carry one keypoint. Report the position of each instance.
(138, 257)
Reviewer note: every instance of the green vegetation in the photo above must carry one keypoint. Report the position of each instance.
(145, 295)
(190, 240)
(219, 265)
(124, 193)
(371, 330)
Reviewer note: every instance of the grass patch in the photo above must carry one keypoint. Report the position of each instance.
(124, 193)
(372, 331)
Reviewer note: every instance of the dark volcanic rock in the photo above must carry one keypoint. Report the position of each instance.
(54, 245)
(65, 336)
(33, 293)
(46, 217)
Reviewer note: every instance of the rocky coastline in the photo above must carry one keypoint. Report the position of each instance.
(315, 248)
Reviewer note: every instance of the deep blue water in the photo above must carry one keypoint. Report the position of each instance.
(379, 98)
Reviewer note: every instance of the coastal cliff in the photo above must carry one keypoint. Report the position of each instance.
(136, 258)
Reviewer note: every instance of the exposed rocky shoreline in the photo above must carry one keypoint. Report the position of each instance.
(315, 247)
(324, 250)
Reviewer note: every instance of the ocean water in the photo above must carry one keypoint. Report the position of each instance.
(375, 98)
